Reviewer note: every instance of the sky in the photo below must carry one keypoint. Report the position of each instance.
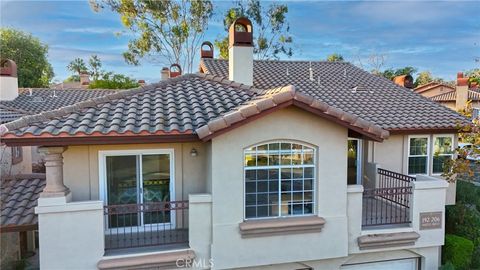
(441, 37)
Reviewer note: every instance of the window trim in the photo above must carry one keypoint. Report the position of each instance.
(16, 159)
(102, 175)
(359, 159)
(314, 188)
(433, 148)
(428, 155)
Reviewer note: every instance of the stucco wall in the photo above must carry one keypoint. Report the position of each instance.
(329, 139)
(81, 168)
(10, 250)
(6, 166)
(392, 154)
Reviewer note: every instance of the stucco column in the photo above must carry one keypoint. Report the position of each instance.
(54, 172)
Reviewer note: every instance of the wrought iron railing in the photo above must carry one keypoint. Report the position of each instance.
(147, 224)
(389, 202)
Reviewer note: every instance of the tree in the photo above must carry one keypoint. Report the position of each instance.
(392, 73)
(95, 64)
(474, 75)
(335, 57)
(271, 29)
(425, 77)
(77, 65)
(30, 55)
(468, 134)
(111, 80)
(169, 30)
(72, 78)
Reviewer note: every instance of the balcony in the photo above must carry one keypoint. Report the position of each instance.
(140, 227)
(388, 203)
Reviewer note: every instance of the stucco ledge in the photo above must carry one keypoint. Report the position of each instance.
(164, 260)
(281, 226)
(378, 241)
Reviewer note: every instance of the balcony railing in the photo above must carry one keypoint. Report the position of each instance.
(147, 224)
(389, 202)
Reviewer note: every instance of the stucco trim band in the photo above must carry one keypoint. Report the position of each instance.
(379, 241)
(166, 260)
(281, 226)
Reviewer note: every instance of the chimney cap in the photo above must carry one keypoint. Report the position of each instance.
(459, 75)
(141, 81)
(175, 70)
(240, 33)
(206, 53)
(8, 68)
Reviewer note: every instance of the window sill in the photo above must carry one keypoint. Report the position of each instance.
(281, 226)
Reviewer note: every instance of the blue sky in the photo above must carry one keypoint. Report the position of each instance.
(442, 37)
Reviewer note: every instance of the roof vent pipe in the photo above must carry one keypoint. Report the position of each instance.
(8, 80)
(310, 71)
(240, 51)
(206, 50)
(175, 70)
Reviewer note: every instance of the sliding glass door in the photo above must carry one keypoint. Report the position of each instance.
(137, 185)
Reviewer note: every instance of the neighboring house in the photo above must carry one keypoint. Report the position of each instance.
(456, 97)
(15, 103)
(249, 164)
(433, 89)
(18, 221)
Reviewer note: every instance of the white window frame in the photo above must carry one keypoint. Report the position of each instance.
(428, 154)
(359, 158)
(314, 182)
(102, 175)
(433, 148)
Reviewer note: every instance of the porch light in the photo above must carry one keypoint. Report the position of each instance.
(194, 152)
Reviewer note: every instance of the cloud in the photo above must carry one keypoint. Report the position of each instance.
(93, 30)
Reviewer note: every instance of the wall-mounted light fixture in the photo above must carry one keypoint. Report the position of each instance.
(194, 152)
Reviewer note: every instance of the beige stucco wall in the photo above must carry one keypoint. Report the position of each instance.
(81, 168)
(6, 166)
(229, 250)
(10, 250)
(392, 154)
(436, 91)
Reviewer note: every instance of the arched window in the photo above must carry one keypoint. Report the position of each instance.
(279, 180)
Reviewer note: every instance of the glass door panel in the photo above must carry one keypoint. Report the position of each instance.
(352, 166)
(122, 189)
(156, 187)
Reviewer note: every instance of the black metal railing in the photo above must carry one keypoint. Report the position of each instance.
(147, 224)
(389, 202)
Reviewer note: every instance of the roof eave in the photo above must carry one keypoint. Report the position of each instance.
(97, 140)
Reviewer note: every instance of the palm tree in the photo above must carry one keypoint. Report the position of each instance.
(77, 65)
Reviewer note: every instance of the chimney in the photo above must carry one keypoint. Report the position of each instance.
(141, 82)
(404, 81)
(240, 51)
(165, 73)
(175, 70)
(206, 50)
(461, 91)
(84, 78)
(8, 80)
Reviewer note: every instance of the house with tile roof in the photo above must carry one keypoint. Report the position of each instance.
(247, 164)
(455, 98)
(30, 101)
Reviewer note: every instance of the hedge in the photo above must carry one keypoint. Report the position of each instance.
(458, 251)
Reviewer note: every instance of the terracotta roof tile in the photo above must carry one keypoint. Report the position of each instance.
(374, 99)
(451, 96)
(19, 196)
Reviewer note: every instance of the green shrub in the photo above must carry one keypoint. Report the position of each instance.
(447, 266)
(458, 250)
